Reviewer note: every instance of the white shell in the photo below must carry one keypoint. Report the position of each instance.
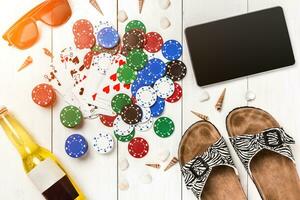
(164, 23)
(250, 96)
(122, 16)
(164, 155)
(164, 4)
(123, 165)
(146, 178)
(123, 185)
(204, 96)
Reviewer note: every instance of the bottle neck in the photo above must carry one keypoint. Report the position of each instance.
(17, 134)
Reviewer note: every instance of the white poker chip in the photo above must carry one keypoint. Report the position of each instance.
(145, 126)
(122, 128)
(146, 114)
(102, 62)
(103, 143)
(146, 96)
(164, 87)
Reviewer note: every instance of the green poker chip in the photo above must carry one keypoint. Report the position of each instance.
(96, 48)
(70, 116)
(135, 24)
(125, 74)
(119, 101)
(137, 59)
(164, 127)
(125, 138)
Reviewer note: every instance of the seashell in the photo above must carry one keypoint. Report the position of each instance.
(201, 116)
(250, 95)
(95, 4)
(123, 165)
(171, 163)
(156, 166)
(146, 178)
(219, 103)
(122, 16)
(123, 185)
(141, 4)
(164, 155)
(26, 63)
(164, 4)
(204, 96)
(165, 23)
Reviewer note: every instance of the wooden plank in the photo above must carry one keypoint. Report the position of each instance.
(15, 93)
(165, 185)
(95, 174)
(198, 12)
(277, 91)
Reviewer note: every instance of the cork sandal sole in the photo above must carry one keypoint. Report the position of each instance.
(223, 183)
(275, 175)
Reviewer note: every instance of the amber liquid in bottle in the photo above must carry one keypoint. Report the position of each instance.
(41, 166)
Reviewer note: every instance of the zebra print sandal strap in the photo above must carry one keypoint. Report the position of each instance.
(197, 171)
(273, 139)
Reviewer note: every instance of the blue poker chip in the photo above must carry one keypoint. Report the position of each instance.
(146, 78)
(156, 68)
(76, 146)
(108, 37)
(172, 50)
(136, 85)
(158, 108)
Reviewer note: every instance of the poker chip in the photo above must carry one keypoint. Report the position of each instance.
(158, 108)
(138, 147)
(137, 84)
(43, 95)
(102, 62)
(164, 127)
(146, 114)
(126, 138)
(82, 26)
(131, 114)
(172, 50)
(176, 95)
(145, 76)
(134, 39)
(125, 74)
(108, 37)
(156, 68)
(145, 125)
(111, 51)
(87, 61)
(176, 70)
(103, 143)
(146, 96)
(76, 146)
(119, 101)
(136, 59)
(107, 120)
(164, 87)
(70, 116)
(84, 40)
(122, 128)
(154, 42)
(135, 24)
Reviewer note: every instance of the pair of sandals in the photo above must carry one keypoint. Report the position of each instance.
(260, 143)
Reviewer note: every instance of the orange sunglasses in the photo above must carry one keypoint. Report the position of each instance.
(24, 33)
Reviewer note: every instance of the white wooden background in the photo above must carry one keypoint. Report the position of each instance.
(98, 175)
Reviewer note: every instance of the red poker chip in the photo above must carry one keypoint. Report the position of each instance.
(107, 120)
(176, 95)
(88, 58)
(82, 26)
(43, 95)
(138, 147)
(154, 42)
(84, 40)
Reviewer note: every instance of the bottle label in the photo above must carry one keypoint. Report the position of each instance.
(46, 174)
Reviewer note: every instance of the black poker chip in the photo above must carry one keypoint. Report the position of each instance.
(134, 39)
(176, 70)
(132, 114)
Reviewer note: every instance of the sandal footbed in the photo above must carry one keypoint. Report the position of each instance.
(275, 175)
(223, 183)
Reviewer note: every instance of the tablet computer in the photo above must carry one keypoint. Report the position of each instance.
(239, 46)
